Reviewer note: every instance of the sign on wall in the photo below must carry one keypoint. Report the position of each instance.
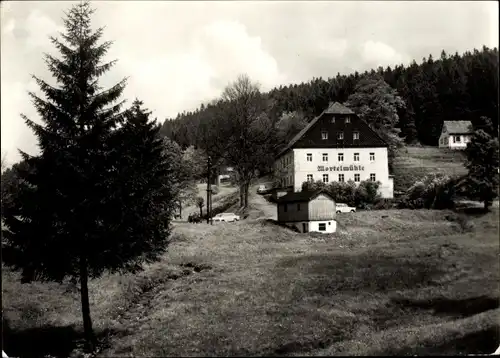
(345, 168)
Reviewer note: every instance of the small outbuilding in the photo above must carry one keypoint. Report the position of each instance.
(308, 211)
(455, 134)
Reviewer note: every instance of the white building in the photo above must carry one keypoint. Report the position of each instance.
(308, 211)
(335, 146)
(455, 134)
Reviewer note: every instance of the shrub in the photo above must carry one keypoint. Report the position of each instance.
(366, 194)
(386, 204)
(215, 189)
(435, 191)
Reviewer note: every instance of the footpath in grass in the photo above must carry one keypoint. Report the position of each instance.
(396, 285)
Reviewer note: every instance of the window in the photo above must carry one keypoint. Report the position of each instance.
(325, 178)
(325, 157)
(372, 157)
(357, 178)
(340, 157)
(322, 226)
(340, 135)
(355, 135)
(309, 157)
(324, 135)
(298, 206)
(456, 139)
(347, 119)
(372, 177)
(333, 119)
(356, 157)
(341, 177)
(285, 208)
(309, 177)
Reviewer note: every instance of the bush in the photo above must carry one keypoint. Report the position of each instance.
(363, 196)
(435, 191)
(386, 204)
(215, 189)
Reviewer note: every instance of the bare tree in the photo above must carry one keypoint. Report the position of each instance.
(240, 132)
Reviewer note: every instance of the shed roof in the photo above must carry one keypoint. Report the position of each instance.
(457, 127)
(302, 196)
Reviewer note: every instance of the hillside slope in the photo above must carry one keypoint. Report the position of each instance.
(416, 162)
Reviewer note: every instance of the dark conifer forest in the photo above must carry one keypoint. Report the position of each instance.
(452, 87)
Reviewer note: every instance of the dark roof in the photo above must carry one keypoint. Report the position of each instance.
(370, 138)
(333, 108)
(303, 196)
(457, 127)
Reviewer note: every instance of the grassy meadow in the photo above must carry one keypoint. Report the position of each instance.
(388, 282)
(414, 163)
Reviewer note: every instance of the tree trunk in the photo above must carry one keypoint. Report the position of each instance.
(90, 341)
(180, 209)
(242, 195)
(487, 205)
(247, 188)
(201, 211)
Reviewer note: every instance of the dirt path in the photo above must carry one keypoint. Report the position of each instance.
(260, 206)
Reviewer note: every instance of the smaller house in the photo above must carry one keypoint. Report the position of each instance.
(455, 134)
(307, 211)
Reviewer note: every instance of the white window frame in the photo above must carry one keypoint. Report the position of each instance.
(325, 178)
(322, 227)
(324, 135)
(356, 157)
(325, 157)
(340, 157)
(348, 119)
(374, 177)
(310, 178)
(372, 157)
(455, 137)
(309, 157)
(341, 178)
(355, 135)
(340, 135)
(358, 177)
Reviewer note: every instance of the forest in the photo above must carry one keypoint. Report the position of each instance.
(453, 87)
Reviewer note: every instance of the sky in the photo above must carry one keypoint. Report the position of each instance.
(178, 55)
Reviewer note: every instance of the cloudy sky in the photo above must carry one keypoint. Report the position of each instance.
(180, 54)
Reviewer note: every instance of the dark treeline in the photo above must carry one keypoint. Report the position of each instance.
(453, 87)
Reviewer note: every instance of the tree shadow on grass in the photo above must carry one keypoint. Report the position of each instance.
(483, 342)
(48, 341)
(449, 307)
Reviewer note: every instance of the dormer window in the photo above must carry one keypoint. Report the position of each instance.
(340, 135)
(333, 119)
(324, 134)
(347, 119)
(355, 135)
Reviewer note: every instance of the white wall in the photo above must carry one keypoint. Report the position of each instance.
(313, 226)
(380, 166)
(462, 144)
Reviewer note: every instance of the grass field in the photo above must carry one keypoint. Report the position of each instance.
(416, 162)
(414, 282)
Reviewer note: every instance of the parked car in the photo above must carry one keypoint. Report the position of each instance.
(263, 189)
(344, 208)
(194, 218)
(226, 217)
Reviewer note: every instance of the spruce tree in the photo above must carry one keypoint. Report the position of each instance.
(81, 208)
(483, 164)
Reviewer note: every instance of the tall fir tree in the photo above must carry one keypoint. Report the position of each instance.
(75, 213)
(482, 161)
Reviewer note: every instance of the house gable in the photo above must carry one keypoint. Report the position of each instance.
(333, 121)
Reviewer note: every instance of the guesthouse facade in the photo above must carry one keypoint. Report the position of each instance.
(335, 146)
